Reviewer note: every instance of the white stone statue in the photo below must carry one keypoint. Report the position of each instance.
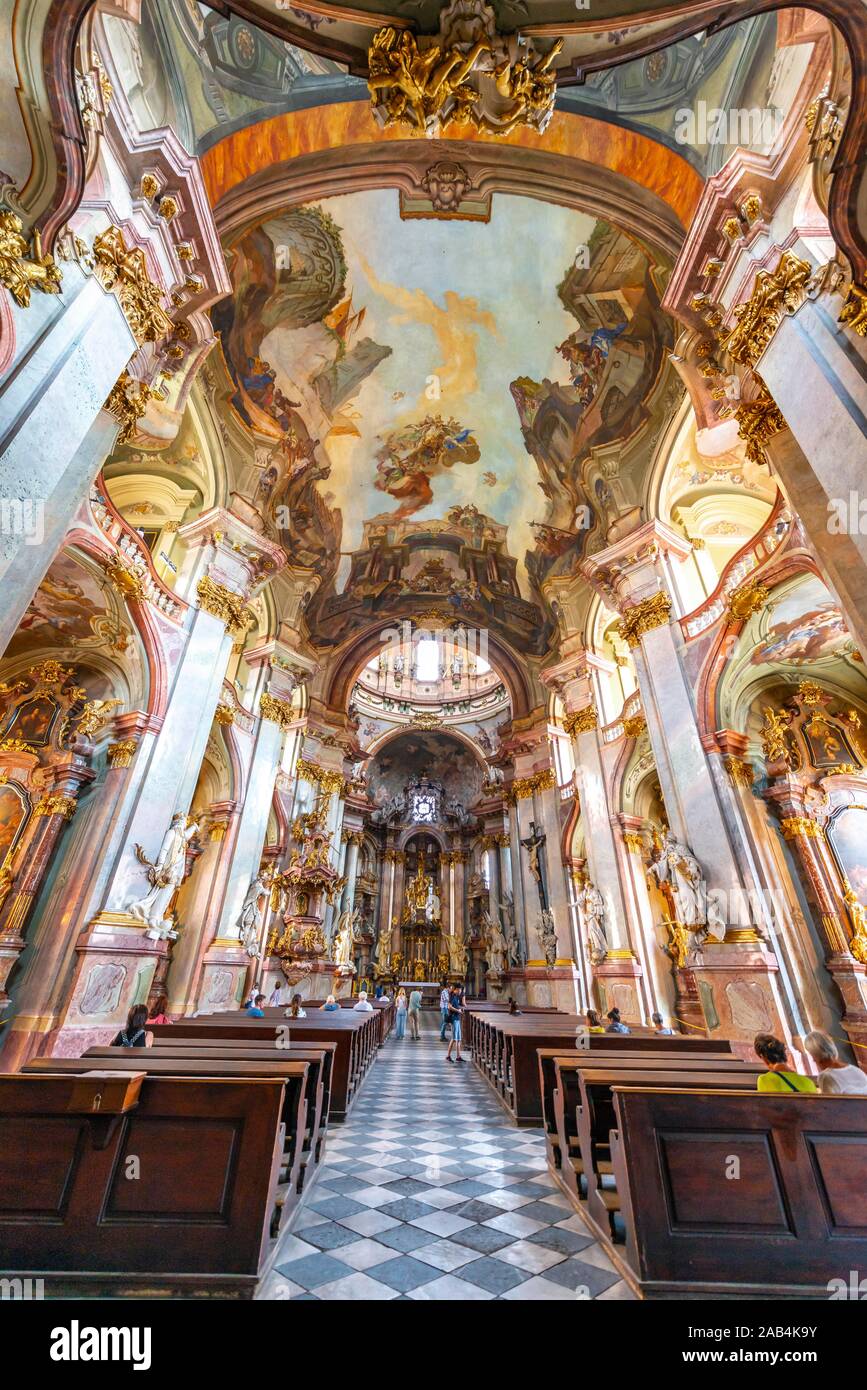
(591, 905)
(165, 875)
(457, 955)
(341, 949)
(677, 868)
(546, 931)
(497, 946)
(383, 949)
(249, 924)
(432, 907)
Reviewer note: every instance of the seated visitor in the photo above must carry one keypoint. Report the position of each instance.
(377, 993)
(659, 1025)
(594, 1022)
(159, 1014)
(364, 1005)
(330, 1004)
(295, 1010)
(615, 1024)
(836, 1078)
(779, 1077)
(513, 1007)
(134, 1034)
(254, 1008)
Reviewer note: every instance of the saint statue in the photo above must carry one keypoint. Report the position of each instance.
(534, 845)
(679, 876)
(341, 948)
(547, 933)
(497, 946)
(432, 905)
(457, 955)
(249, 924)
(165, 875)
(591, 906)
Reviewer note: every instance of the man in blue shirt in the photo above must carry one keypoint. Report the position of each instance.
(254, 1008)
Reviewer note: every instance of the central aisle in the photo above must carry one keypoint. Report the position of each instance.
(430, 1192)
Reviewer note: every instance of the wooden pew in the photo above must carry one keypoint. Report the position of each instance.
(795, 1218)
(294, 1075)
(596, 1119)
(476, 1009)
(353, 1033)
(511, 1065)
(170, 1188)
(558, 1082)
(320, 1058)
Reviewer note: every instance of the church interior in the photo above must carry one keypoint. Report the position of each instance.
(433, 715)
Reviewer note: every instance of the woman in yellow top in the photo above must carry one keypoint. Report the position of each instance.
(779, 1077)
(594, 1022)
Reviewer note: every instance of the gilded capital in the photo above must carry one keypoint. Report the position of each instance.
(582, 721)
(278, 711)
(125, 272)
(225, 604)
(121, 754)
(644, 617)
(56, 804)
(775, 294)
(524, 787)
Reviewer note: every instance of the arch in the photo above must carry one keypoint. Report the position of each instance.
(344, 672)
(447, 731)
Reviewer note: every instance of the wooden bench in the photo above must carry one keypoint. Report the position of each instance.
(595, 1119)
(793, 1220)
(294, 1074)
(354, 1036)
(171, 1192)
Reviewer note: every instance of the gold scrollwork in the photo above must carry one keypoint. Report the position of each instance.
(329, 781)
(23, 269)
(642, 617)
(122, 753)
(524, 787)
(581, 721)
(278, 711)
(758, 422)
(125, 271)
(747, 599)
(56, 804)
(739, 772)
(775, 294)
(127, 401)
(801, 827)
(225, 604)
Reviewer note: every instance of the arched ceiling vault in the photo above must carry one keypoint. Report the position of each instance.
(639, 26)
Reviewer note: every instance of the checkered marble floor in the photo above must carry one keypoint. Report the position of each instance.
(429, 1191)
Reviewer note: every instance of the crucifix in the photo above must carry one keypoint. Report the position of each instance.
(534, 845)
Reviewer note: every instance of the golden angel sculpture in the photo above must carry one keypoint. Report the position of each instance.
(468, 73)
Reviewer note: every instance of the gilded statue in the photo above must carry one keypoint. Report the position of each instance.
(21, 272)
(414, 85)
(678, 943)
(530, 90)
(858, 918)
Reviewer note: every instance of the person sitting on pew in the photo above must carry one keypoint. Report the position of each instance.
(134, 1034)
(330, 1005)
(594, 1022)
(615, 1024)
(364, 1005)
(513, 1007)
(254, 1008)
(295, 1010)
(779, 1077)
(659, 1025)
(377, 993)
(159, 1014)
(836, 1078)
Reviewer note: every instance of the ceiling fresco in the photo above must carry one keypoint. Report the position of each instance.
(400, 364)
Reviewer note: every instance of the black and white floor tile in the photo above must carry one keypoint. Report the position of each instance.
(429, 1191)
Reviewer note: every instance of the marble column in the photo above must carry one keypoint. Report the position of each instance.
(200, 903)
(737, 978)
(55, 436)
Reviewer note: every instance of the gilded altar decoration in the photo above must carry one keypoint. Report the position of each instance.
(775, 294)
(56, 804)
(739, 772)
(634, 725)
(854, 313)
(325, 778)
(277, 711)
(122, 753)
(801, 827)
(127, 401)
(582, 721)
(758, 421)
(775, 737)
(225, 604)
(23, 269)
(468, 73)
(643, 617)
(858, 918)
(524, 787)
(678, 946)
(124, 271)
(94, 716)
(747, 599)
